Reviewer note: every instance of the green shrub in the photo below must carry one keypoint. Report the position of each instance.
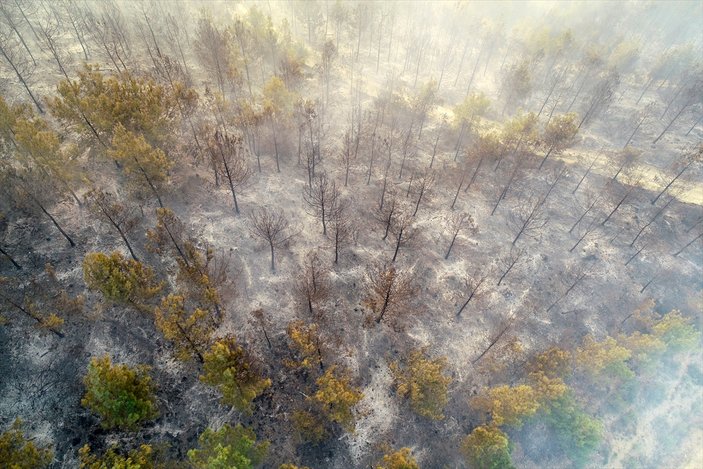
(228, 448)
(16, 452)
(122, 396)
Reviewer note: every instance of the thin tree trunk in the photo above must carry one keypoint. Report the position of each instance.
(471, 295)
(545, 157)
(616, 208)
(473, 73)
(507, 187)
(694, 125)
(397, 245)
(31, 315)
(671, 182)
(583, 215)
(634, 131)
(687, 245)
(583, 236)
(461, 183)
(56, 224)
(586, 174)
(451, 245)
(22, 80)
(649, 83)
(4, 253)
(639, 233)
(683, 108)
(510, 267)
(149, 182)
(461, 62)
(273, 265)
(384, 308)
(647, 284)
(493, 342)
(419, 199)
(635, 254)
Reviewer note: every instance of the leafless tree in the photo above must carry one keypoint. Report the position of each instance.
(384, 187)
(513, 176)
(425, 184)
(214, 51)
(21, 67)
(510, 260)
(272, 227)
(641, 117)
(591, 202)
(687, 245)
(388, 213)
(578, 275)
(601, 96)
(694, 155)
(33, 190)
(312, 284)
(76, 17)
(228, 157)
(342, 226)
(348, 155)
(49, 33)
(121, 217)
(692, 94)
(558, 173)
(473, 284)
(627, 158)
(389, 290)
(10, 258)
(169, 231)
(259, 318)
(646, 225)
(637, 253)
(462, 177)
(632, 184)
(111, 34)
(503, 328)
(321, 197)
(590, 228)
(25, 307)
(409, 150)
(588, 171)
(9, 17)
(459, 222)
(529, 217)
(404, 230)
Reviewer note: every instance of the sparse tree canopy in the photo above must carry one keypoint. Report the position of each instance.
(312, 285)
(228, 158)
(389, 290)
(272, 227)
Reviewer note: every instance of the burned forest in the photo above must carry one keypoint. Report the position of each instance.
(351, 234)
